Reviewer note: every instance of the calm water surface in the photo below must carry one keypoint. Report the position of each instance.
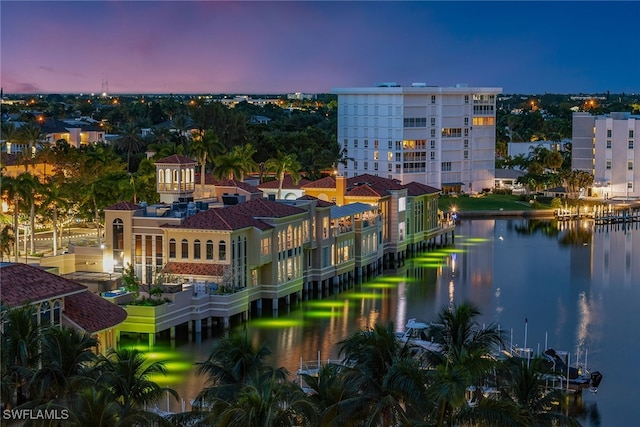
(576, 287)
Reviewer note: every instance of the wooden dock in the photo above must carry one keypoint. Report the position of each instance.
(604, 214)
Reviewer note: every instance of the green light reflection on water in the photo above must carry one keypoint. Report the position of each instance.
(322, 314)
(324, 303)
(431, 264)
(478, 239)
(454, 251)
(276, 323)
(362, 295)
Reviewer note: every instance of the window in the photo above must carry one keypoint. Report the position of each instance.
(608, 166)
(209, 250)
(433, 121)
(355, 143)
(45, 313)
(446, 167)
(483, 121)
(196, 249)
(608, 143)
(402, 204)
(466, 99)
(433, 99)
(375, 155)
(366, 143)
(346, 143)
(390, 156)
(390, 167)
(366, 165)
(390, 145)
(466, 121)
(451, 132)
(433, 144)
(608, 133)
(466, 154)
(397, 168)
(630, 133)
(222, 251)
(433, 133)
(631, 144)
(630, 166)
(375, 166)
(432, 155)
(184, 249)
(172, 248)
(355, 164)
(118, 234)
(466, 143)
(466, 132)
(630, 185)
(375, 144)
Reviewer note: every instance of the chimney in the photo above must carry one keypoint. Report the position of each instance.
(341, 189)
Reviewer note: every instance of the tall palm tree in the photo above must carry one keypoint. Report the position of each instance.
(11, 188)
(227, 166)
(32, 135)
(29, 187)
(126, 374)
(55, 199)
(284, 164)
(9, 133)
(204, 145)
(245, 153)
(7, 240)
(130, 140)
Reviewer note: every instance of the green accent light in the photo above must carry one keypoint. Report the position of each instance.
(325, 304)
(276, 323)
(322, 314)
(362, 295)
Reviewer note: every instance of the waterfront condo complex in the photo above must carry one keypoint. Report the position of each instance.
(443, 137)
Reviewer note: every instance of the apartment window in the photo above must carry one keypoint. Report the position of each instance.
(346, 143)
(451, 132)
(376, 155)
(209, 250)
(446, 167)
(375, 144)
(432, 155)
(466, 121)
(608, 133)
(466, 132)
(630, 166)
(390, 145)
(397, 168)
(184, 249)
(433, 133)
(222, 251)
(390, 156)
(608, 165)
(397, 157)
(433, 144)
(433, 99)
(433, 121)
(390, 168)
(630, 133)
(630, 185)
(466, 154)
(355, 164)
(172, 248)
(466, 99)
(366, 143)
(196, 249)
(366, 165)
(608, 143)
(466, 143)
(355, 143)
(631, 144)
(375, 166)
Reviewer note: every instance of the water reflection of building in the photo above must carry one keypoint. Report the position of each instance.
(612, 256)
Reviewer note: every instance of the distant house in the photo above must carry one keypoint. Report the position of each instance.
(560, 192)
(290, 191)
(59, 301)
(75, 131)
(508, 179)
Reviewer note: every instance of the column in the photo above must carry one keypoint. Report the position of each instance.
(152, 340)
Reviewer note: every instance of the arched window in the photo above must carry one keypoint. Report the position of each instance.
(184, 250)
(167, 177)
(209, 250)
(45, 313)
(56, 313)
(172, 248)
(222, 251)
(196, 249)
(117, 227)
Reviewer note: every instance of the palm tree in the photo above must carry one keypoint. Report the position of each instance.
(55, 198)
(283, 164)
(245, 153)
(227, 166)
(7, 240)
(126, 374)
(204, 145)
(32, 135)
(130, 140)
(28, 187)
(8, 133)
(66, 357)
(11, 188)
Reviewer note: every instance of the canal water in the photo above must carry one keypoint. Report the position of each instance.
(569, 286)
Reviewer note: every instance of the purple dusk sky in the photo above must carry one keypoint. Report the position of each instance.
(306, 46)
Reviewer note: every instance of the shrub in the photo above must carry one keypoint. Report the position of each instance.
(556, 202)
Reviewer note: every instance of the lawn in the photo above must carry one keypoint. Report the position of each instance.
(491, 202)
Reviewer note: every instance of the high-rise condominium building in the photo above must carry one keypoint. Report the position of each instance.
(439, 136)
(606, 147)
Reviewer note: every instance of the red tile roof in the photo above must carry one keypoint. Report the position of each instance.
(210, 180)
(22, 283)
(123, 206)
(364, 190)
(93, 313)
(320, 204)
(220, 219)
(175, 159)
(286, 183)
(326, 182)
(194, 268)
(418, 189)
(265, 208)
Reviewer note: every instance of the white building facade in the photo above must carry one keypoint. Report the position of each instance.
(607, 146)
(439, 136)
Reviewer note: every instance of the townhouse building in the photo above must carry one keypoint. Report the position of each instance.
(605, 146)
(443, 137)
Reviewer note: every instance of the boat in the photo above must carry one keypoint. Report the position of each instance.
(417, 333)
(578, 377)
